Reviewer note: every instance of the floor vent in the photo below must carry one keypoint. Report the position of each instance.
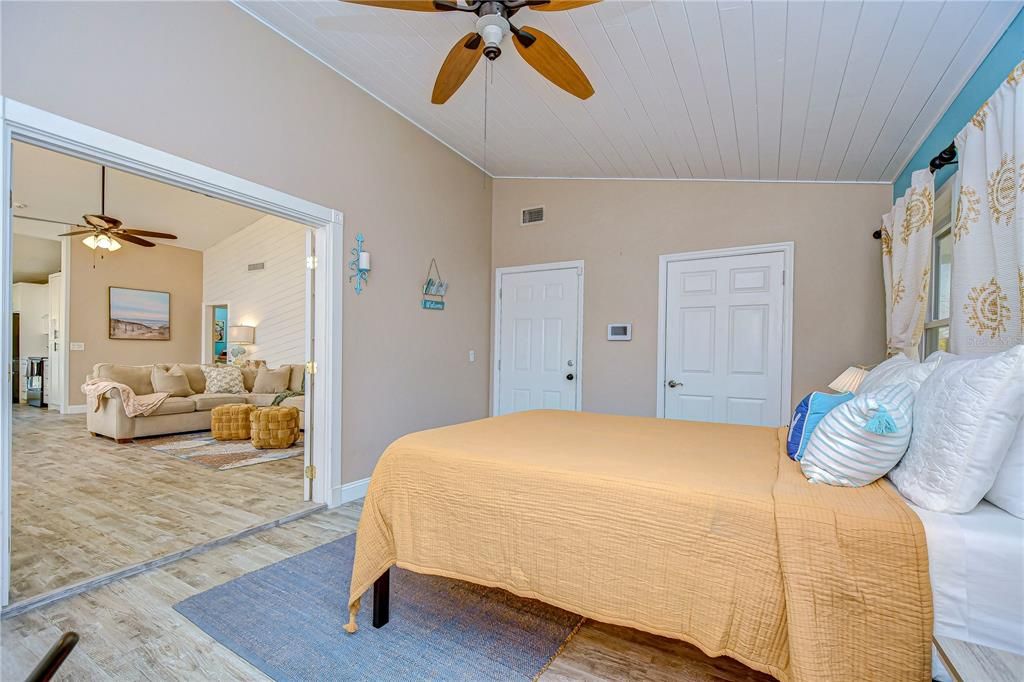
(255, 266)
(532, 216)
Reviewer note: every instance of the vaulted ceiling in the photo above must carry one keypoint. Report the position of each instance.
(57, 187)
(738, 89)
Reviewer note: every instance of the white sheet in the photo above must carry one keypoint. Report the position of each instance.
(976, 565)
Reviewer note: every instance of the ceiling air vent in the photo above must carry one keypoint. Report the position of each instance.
(532, 216)
(255, 266)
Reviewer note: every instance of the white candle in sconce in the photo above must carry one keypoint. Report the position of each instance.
(364, 260)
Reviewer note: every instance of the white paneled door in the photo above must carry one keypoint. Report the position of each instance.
(538, 339)
(724, 338)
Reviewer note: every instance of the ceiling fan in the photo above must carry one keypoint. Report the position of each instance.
(540, 50)
(103, 230)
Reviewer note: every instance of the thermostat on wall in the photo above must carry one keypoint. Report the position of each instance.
(620, 331)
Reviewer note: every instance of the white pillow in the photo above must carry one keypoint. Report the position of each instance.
(1007, 492)
(965, 416)
(223, 379)
(859, 441)
(899, 369)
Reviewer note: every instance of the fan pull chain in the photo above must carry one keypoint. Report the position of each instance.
(487, 86)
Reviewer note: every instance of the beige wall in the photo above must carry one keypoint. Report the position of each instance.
(161, 268)
(619, 228)
(207, 82)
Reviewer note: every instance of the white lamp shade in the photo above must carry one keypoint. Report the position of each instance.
(242, 334)
(849, 380)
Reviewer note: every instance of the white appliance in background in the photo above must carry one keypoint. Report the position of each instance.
(538, 340)
(724, 339)
(31, 301)
(55, 352)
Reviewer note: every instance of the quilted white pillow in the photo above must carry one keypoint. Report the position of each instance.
(965, 416)
(859, 441)
(1007, 492)
(223, 379)
(899, 369)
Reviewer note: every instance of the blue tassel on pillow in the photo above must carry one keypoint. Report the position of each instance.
(881, 423)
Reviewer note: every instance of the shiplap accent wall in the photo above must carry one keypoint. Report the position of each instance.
(273, 299)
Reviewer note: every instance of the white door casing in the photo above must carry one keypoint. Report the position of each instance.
(538, 338)
(724, 336)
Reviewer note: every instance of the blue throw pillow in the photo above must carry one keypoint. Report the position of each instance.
(806, 417)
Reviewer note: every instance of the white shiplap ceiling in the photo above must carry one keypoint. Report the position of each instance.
(737, 89)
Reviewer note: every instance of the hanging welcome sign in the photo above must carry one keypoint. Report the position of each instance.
(434, 289)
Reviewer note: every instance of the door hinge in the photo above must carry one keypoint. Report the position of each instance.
(311, 262)
(310, 367)
(499, 294)
(499, 365)
(783, 278)
(311, 471)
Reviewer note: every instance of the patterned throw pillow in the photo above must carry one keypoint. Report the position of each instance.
(808, 413)
(223, 379)
(862, 439)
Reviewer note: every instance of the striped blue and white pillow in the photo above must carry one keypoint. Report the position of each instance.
(862, 439)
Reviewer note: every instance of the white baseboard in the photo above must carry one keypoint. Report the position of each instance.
(354, 490)
(74, 409)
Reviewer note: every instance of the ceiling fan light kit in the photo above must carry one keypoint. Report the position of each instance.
(538, 49)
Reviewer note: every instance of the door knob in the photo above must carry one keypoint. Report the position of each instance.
(570, 377)
(672, 383)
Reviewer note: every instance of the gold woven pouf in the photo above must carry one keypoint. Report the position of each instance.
(231, 422)
(274, 427)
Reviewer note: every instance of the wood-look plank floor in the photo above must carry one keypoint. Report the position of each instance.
(130, 631)
(83, 506)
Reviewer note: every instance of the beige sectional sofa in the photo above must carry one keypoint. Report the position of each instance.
(175, 415)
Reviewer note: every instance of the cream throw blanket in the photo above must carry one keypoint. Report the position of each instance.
(95, 391)
(702, 532)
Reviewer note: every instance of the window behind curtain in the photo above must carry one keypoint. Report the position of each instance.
(936, 332)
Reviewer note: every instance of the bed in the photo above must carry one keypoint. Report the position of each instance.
(977, 576)
(706, 533)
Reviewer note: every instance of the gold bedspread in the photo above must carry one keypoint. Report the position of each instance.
(702, 532)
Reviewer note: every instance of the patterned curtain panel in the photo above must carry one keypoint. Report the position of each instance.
(906, 263)
(987, 295)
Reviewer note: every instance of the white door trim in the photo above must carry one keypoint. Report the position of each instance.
(496, 313)
(787, 250)
(206, 347)
(29, 124)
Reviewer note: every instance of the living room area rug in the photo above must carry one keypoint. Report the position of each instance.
(202, 448)
(287, 620)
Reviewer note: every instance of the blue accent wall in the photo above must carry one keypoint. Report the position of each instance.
(1005, 55)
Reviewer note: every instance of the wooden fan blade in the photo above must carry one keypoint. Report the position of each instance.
(145, 233)
(409, 5)
(457, 66)
(75, 234)
(551, 60)
(121, 236)
(103, 222)
(47, 220)
(562, 5)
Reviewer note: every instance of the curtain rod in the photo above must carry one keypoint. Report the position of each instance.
(947, 157)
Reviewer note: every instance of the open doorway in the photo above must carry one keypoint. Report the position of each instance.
(100, 486)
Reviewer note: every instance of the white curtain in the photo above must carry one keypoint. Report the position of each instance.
(906, 263)
(987, 295)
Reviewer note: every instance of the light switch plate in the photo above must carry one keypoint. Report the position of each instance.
(76, 345)
(472, 356)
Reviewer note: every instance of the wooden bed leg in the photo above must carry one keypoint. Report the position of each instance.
(382, 599)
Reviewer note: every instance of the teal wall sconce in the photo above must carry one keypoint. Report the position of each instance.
(359, 265)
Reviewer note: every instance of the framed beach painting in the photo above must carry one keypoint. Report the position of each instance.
(140, 315)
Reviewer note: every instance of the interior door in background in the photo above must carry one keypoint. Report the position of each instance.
(724, 339)
(538, 335)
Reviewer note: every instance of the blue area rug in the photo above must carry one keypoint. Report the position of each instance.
(286, 619)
